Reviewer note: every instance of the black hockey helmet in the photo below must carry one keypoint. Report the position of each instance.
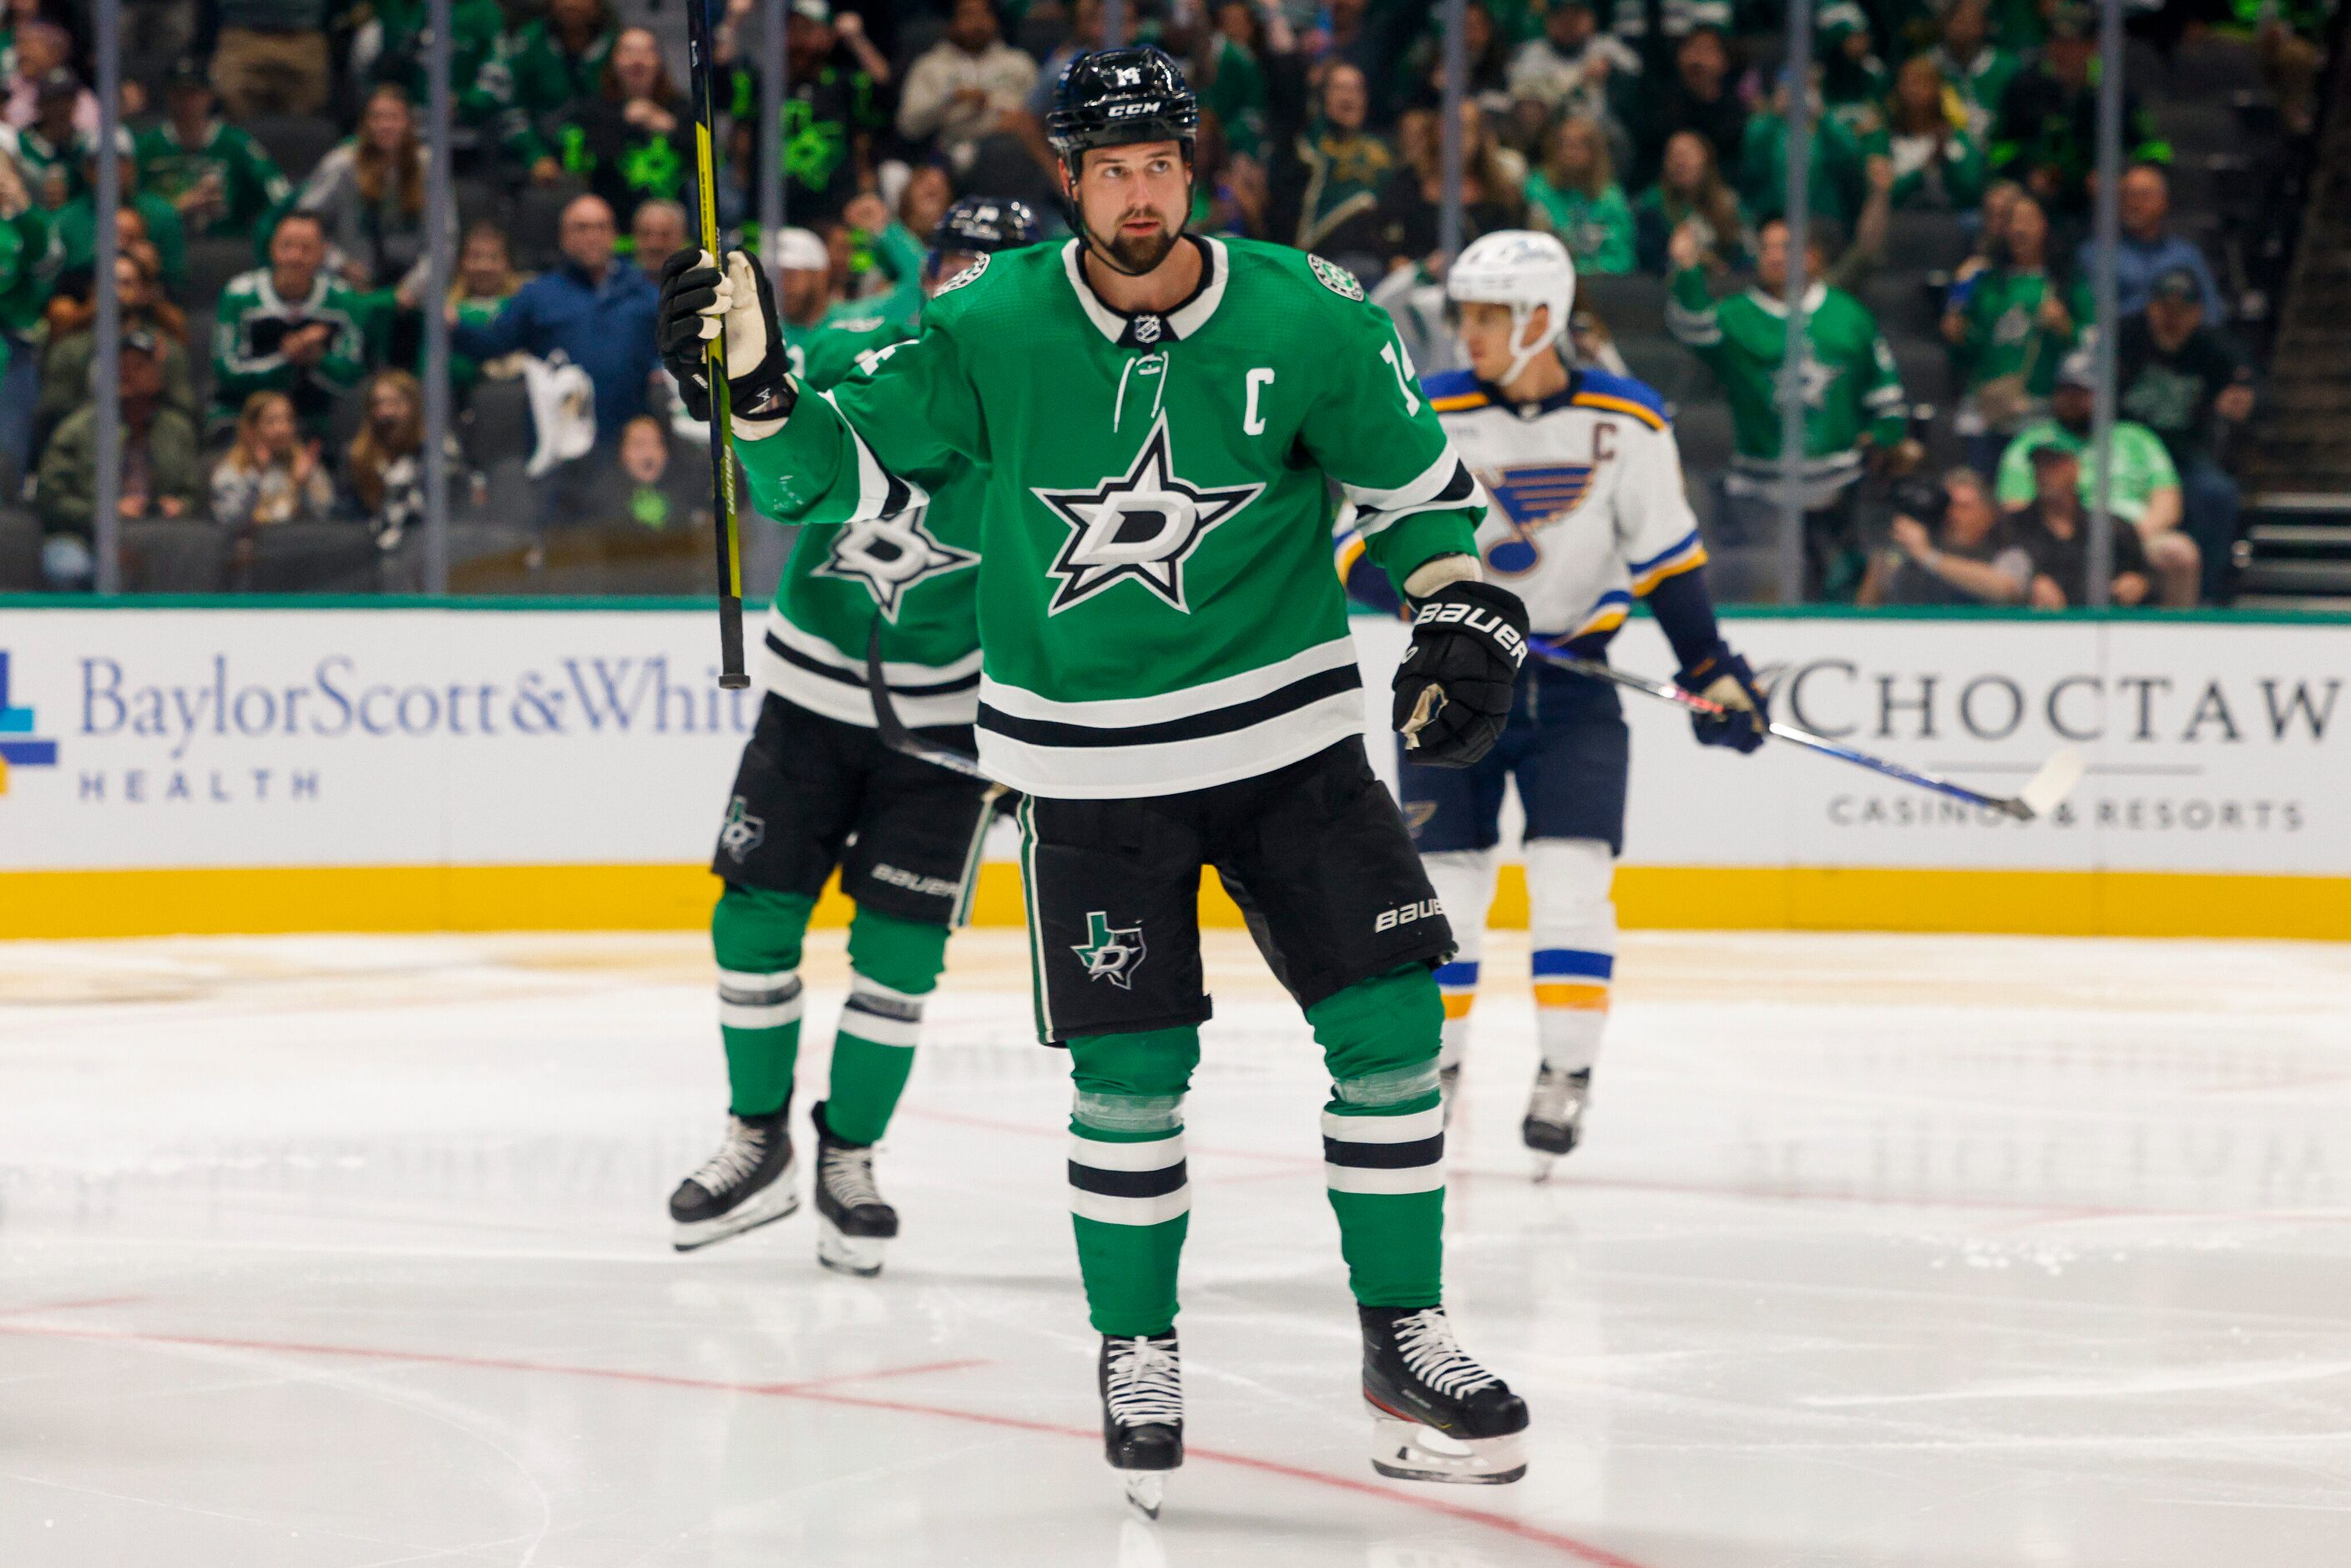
(981, 225)
(1115, 97)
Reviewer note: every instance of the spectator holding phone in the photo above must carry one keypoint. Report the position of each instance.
(287, 328)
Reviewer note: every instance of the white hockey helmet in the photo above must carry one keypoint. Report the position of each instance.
(1522, 269)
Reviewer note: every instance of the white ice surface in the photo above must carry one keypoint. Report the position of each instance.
(1936, 1252)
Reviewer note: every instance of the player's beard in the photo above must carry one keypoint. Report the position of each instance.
(1138, 254)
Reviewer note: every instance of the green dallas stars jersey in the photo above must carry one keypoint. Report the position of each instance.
(912, 568)
(1157, 611)
(1852, 388)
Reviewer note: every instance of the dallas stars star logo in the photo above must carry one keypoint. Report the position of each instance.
(1109, 951)
(890, 556)
(1814, 377)
(1141, 524)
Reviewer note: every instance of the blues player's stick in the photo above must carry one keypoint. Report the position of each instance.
(895, 735)
(2044, 794)
(704, 70)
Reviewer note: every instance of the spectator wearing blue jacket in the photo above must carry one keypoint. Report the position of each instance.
(597, 310)
(2148, 248)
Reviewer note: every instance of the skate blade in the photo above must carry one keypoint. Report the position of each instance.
(1145, 1490)
(1408, 1452)
(1544, 1164)
(780, 1201)
(846, 1254)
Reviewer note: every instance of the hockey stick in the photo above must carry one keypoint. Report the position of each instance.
(704, 70)
(2043, 794)
(895, 735)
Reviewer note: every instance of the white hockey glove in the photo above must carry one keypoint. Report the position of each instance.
(699, 302)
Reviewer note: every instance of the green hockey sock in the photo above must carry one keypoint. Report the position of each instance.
(757, 936)
(1130, 1201)
(894, 965)
(1383, 1134)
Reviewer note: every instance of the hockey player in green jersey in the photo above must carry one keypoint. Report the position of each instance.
(818, 791)
(1853, 408)
(1168, 677)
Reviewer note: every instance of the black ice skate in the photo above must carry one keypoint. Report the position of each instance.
(853, 1223)
(1436, 1414)
(1554, 1123)
(1143, 1415)
(747, 1183)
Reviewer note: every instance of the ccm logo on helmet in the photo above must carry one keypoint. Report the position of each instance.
(1131, 110)
(1476, 619)
(1391, 918)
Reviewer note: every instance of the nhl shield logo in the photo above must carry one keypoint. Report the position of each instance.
(1147, 330)
(1109, 951)
(742, 832)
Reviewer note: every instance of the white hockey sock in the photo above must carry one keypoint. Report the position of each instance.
(1463, 881)
(1574, 935)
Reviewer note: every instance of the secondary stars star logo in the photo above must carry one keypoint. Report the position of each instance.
(1109, 951)
(1141, 524)
(1814, 377)
(890, 556)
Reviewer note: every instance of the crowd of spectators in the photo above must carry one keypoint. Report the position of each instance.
(1651, 136)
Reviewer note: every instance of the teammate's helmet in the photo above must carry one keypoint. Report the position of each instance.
(982, 225)
(1521, 269)
(1115, 97)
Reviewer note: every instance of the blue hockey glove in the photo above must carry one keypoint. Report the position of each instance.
(1723, 677)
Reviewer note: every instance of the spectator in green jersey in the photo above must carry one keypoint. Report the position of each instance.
(538, 73)
(76, 224)
(1976, 69)
(1938, 166)
(287, 328)
(2144, 489)
(2009, 325)
(1854, 415)
(1575, 194)
(216, 176)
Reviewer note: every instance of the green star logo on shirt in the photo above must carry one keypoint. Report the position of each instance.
(1109, 951)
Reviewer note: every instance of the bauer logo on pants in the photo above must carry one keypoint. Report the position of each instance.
(1109, 951)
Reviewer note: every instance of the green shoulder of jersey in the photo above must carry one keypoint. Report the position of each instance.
(1156, 602)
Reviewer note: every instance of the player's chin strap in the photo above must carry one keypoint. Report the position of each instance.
(1522, 356)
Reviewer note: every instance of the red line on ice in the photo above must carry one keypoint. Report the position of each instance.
(821, 1390)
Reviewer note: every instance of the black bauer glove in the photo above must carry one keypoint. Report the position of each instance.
(688, 316)
(1453, 690)
(1722, 678)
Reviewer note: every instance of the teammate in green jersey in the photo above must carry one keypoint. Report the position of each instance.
(818, 791)
(1167, 675)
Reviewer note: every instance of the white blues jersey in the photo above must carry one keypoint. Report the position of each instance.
(1586, 509)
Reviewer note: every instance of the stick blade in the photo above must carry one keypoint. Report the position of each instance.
(2049, 788)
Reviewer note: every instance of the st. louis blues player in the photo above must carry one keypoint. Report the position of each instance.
(1587, 514)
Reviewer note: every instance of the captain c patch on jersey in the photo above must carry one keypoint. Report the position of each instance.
(889, 556)
(1140, 525)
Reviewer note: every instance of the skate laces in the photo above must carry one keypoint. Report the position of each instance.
(737, 1158)
(848, 1174)
(1146, 1386)
(1424, 1340)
